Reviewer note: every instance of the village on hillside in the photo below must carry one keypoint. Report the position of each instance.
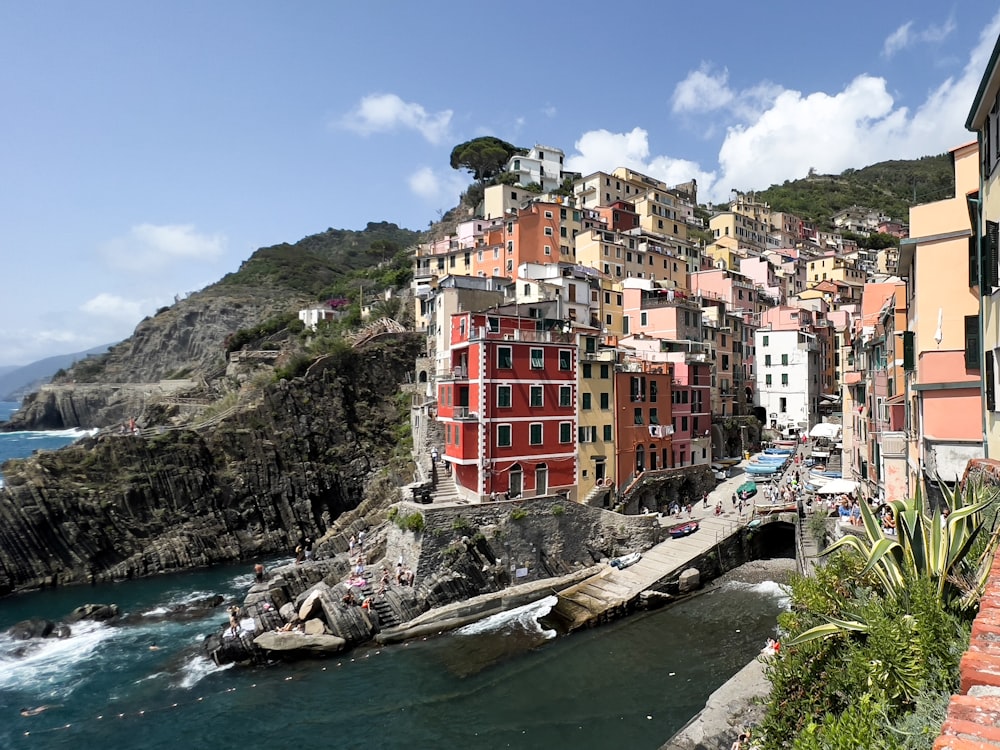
(593, 336)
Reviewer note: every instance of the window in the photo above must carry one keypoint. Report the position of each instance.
(604, 372)
(503, 436)
(565, 432)
(784, 378)
(565, 359)
(784, 360)
(586, 401)
(565, 395)
(504, 360)
(548, 231)
(535, 433)
(767, 379)
(637, 415)
(765, 341)
(767, 360)
(537, 359)
(605, 401)
(654, 417)
(684, 424)
(643, 319)
(587, 371)
(988, 381)
(653, 391)
(535, 398)
(503, 396)
(972, 342)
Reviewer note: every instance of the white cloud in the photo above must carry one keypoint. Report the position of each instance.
(114, 307)
(381, 113)
(779, 134)
(151, 247)
(550, 111)
(435, 187)
(905, 36)
(702, 91)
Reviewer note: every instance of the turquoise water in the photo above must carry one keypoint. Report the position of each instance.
(23, 444)
(505, 683)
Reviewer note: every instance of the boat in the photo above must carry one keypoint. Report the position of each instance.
(762, 469)
(778, 451)
(750, 488)
(769, 459)
(683, 529)
(729, 462)
(625, 560)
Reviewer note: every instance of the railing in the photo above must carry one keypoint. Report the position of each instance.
(462, 412)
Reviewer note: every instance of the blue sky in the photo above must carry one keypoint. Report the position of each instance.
(146, 149)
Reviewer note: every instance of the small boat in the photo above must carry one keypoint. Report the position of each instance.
(763, 468)
(625, 560)
(683, 529)
(750, 488)
(778, 451)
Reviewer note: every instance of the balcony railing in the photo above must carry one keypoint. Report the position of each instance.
(463, 413)
(454, 373)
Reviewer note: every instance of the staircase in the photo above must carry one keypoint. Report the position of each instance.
(386, 615)
(445, 490)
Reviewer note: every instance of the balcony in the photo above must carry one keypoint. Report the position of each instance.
(454, 373)
(462, 413)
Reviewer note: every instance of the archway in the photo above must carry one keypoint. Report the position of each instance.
(422, 376)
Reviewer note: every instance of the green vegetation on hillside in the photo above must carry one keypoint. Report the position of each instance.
(889, 186)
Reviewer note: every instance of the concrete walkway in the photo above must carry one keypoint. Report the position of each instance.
(611, 591)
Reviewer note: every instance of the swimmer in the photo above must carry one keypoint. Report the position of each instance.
(34, 711)
(154, 647)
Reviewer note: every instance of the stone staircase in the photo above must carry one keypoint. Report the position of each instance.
(386, 614)
(445, 490)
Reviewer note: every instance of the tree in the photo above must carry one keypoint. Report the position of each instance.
(484, 157)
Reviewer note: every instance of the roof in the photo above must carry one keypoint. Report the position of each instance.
(978, 103)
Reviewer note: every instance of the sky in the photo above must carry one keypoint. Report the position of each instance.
(147, 149)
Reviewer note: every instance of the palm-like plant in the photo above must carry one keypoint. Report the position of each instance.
(943, 549)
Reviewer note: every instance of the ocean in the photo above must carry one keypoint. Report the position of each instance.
(23, 444)
(505, 682)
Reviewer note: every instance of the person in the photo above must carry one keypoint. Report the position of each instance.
(258, 571)
(234, 620)
(307, 547)
(34, 711)
(367, 603)
(298, 554)
(361, 540)
(359, 568)
(704, 500)
(351, 544)
(434, 456)
(718, 508)
(690, 511)
(493, 497)
(153, 646)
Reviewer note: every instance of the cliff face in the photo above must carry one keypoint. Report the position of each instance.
(123, 506)
(185, 339)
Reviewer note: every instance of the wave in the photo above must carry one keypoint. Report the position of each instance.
(50, 661)
(524, 618)
(771, 589)
(72, 434)
(196, 669)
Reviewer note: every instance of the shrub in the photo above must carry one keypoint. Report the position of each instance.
(461, 525)
(518, 513)
(558, 510)
(393, 512)
(410, 522)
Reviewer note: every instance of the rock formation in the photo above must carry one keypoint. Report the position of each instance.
(121, 506)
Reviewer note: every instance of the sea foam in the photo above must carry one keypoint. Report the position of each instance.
(524, 618)
(196, 669)
(49, 661)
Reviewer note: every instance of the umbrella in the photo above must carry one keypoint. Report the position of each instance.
(748, 487)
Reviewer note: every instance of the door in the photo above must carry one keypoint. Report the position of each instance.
(516, 481)
(541, 480)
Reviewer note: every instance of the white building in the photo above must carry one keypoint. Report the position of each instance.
(542, 164)
(313, 316)
(789, 372)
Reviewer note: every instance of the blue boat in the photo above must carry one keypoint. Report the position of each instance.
(778, 451)
(763, 468)
(760, 458)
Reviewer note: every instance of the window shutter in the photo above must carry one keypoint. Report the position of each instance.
(991, 255)
(988, 381)
(909, 360)
(972, 342)
(973, 261)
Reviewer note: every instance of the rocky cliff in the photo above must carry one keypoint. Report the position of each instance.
(122, 506)
(186, 339)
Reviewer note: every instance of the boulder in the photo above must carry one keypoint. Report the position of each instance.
(314, 626)
(689, 580)
(302, 642)
(347, 622)
(310, 606)
(36, 627)
(288, 612)
(98, 612)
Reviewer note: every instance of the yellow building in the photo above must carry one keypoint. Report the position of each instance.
(596, 419)
(746, 230)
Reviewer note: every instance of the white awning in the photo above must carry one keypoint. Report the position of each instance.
(838, 486)
(825, 430)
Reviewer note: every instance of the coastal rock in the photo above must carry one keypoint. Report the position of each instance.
(287, 612)
(97, 612)
(310, 605)
(36, 627)
(299, 642)
(314, 627)
(689, 580)
(351, 623)
(115, 507)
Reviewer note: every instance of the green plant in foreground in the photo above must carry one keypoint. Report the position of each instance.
(518, 513)
(410, 522)
(558, 510)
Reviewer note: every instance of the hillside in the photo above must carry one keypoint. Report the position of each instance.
(15, 382)
(890, 186)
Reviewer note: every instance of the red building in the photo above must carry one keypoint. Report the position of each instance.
(508, 406)
(644, 418)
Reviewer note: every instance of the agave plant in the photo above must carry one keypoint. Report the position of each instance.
(940, 548)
